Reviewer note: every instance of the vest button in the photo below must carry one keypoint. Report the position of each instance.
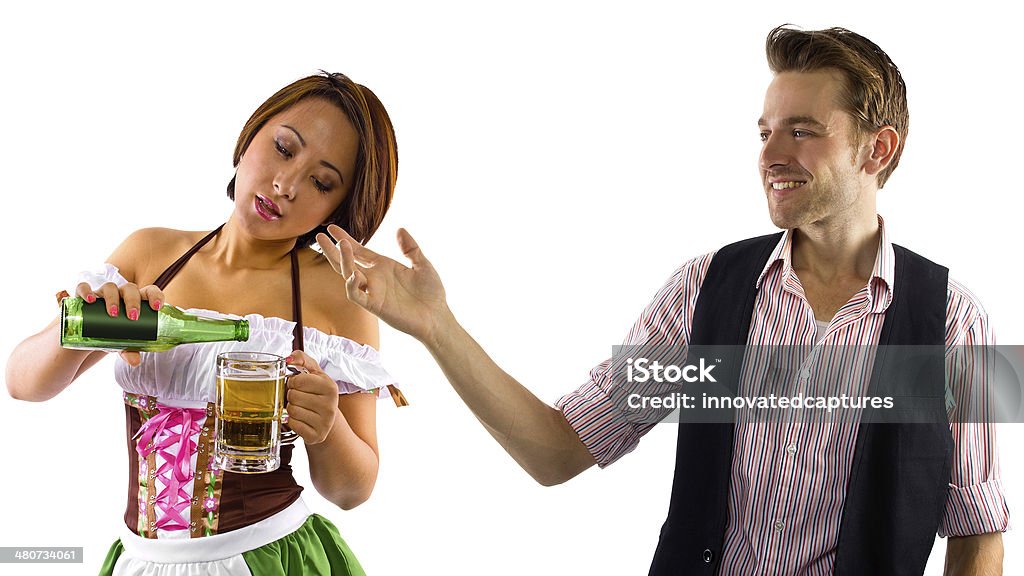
(708, 556)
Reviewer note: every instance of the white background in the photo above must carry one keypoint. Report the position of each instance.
(557, 163)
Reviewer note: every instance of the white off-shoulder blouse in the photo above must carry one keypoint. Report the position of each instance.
(185, 373)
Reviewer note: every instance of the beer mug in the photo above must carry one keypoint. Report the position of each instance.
(249, 409)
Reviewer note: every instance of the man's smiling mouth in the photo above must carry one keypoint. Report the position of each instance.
(787, 185)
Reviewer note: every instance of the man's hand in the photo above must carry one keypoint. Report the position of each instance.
(410, 299)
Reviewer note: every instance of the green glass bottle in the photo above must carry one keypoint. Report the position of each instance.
(85, 326)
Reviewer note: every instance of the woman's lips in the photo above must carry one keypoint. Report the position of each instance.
(266, 209)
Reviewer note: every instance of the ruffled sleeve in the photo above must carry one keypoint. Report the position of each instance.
(98, 277)
(355, 367)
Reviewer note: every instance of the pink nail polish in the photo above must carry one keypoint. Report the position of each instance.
(90, 298)
(289, 359)
(157, 304)
(133, 314)
(113, 310)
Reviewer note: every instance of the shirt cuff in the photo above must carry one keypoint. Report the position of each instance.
(602, 428)
(976, 509)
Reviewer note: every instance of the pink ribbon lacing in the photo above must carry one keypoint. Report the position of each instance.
(176, 470)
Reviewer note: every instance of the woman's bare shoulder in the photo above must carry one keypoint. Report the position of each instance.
(163, 237)
(329, 309)
(146, 249)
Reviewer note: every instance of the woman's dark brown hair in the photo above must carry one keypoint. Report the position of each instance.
(376, 170)
(874, 92)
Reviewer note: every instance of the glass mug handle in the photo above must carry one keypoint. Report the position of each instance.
(288, 436)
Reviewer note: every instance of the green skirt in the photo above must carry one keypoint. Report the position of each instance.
(315, 548)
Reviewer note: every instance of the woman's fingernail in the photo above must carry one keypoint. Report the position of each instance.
(157, 304)
(289, 359)
(113, 310)
(133, 314)
(90, 298)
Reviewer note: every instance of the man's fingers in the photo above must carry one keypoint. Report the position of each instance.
(411, 249)
(338, 233)
(343, 260)
(347, 258)
(355, 281)
(331, 251)
(362, 253)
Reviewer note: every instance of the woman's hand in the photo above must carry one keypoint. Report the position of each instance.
(132, 295)
(312, 399)
(410, 299)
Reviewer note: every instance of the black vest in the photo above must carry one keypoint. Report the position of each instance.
(899, 479)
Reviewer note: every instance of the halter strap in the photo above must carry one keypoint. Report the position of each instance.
(172, 271)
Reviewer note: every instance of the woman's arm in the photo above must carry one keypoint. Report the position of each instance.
(39, 368)
(344, 467)
(340, 433)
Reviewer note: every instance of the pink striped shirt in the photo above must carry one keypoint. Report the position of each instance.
(788, 480)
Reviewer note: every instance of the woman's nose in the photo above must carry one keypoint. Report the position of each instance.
(285, 184)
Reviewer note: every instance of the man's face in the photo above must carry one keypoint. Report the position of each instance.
(811, 160)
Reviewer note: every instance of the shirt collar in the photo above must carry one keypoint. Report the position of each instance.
(882, 275)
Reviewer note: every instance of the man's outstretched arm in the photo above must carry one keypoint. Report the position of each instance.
(536, 435)
(412, 299)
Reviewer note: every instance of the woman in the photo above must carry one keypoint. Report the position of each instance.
(320, 151)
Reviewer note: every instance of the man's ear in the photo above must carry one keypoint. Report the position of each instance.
(881, 149)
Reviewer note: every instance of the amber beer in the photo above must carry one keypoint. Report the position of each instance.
(250, 401)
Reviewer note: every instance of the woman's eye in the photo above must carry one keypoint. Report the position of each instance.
(801, 133)
(320, 185)
(282, 150)
(764, 136)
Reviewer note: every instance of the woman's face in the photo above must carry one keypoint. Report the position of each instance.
(296, 171)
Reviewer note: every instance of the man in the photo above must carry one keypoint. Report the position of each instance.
(755, 498)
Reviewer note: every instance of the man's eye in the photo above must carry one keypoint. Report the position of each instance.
(800, 133)
(282, 150)
(764, 136)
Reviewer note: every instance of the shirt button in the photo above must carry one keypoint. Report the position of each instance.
(779, 525)
(791, 448)
(708, 556)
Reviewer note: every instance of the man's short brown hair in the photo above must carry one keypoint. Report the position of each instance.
(874, 93)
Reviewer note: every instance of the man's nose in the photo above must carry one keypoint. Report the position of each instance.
(774, 152)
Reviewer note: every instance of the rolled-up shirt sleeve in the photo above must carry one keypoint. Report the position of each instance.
(601, 426)
(976, 503)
